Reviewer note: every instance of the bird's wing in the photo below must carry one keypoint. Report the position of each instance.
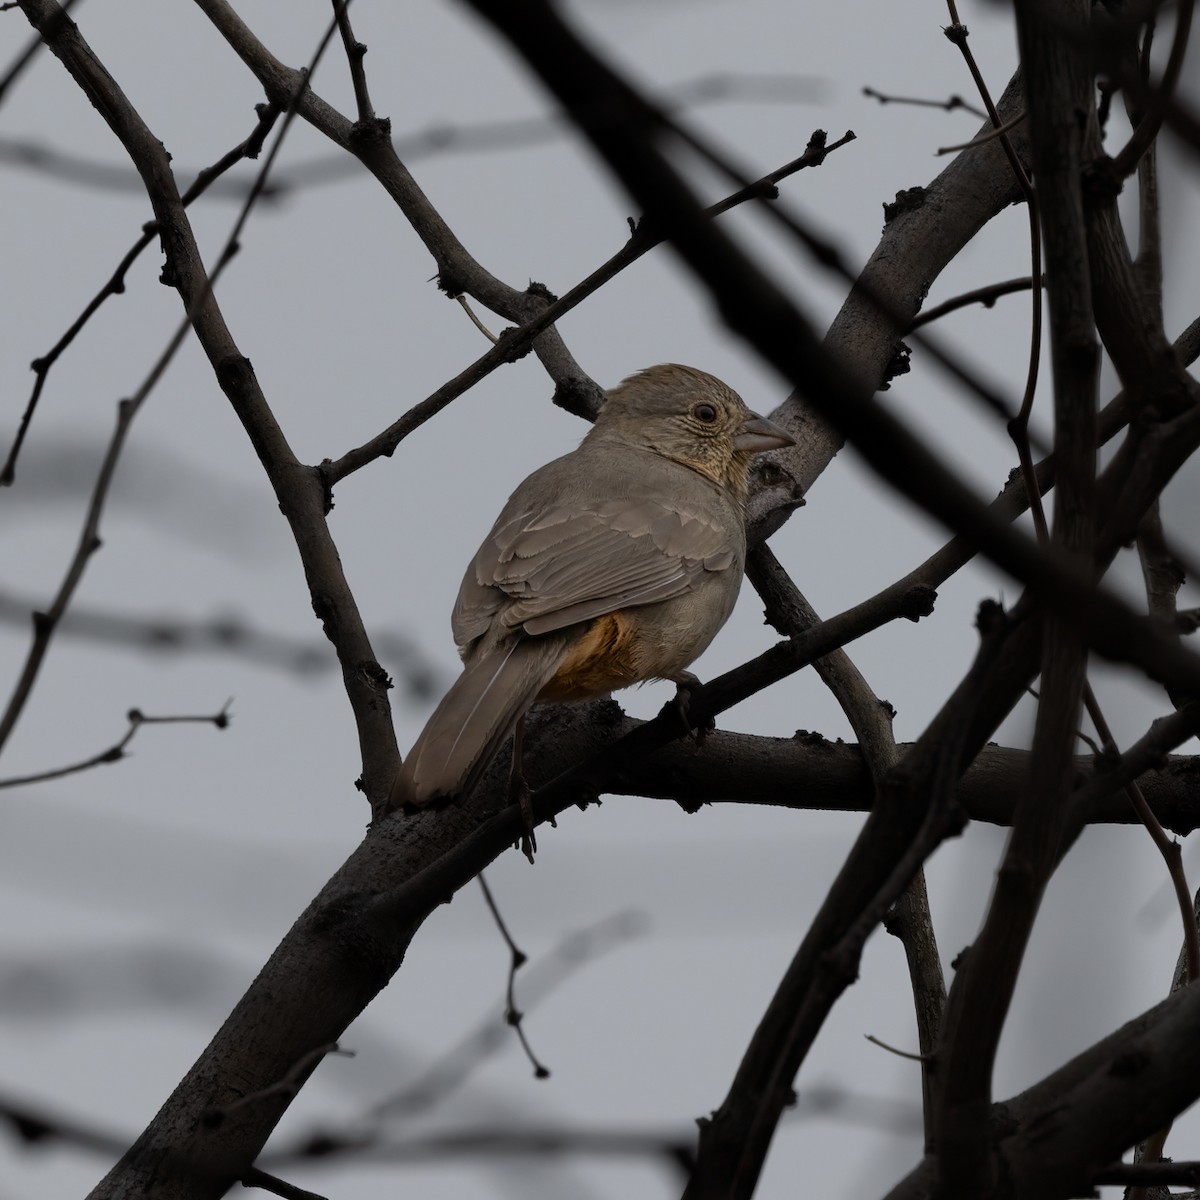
(544, 569)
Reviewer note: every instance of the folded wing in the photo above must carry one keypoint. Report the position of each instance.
(544, 570)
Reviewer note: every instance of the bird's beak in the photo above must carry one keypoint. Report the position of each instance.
(757, 434)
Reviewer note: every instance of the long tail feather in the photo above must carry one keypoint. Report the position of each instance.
(476, 716)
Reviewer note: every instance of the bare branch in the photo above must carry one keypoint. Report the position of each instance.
(355, 52)
(63, 38)
(1058, 1132)
(41, 366)
(254, 1178)
(984, 138)
(513, 1016)
(871, 720)
(950, 104)
(987, 296)
(1158, 98)
(1057, 82)
(298, 489)
(116, 751)
(513, 343)
(22, 61)
(44, 623)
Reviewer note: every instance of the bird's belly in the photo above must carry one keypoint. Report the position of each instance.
(602, 659)
(621, 648)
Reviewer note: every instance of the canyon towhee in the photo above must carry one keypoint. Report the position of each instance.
(614, 564)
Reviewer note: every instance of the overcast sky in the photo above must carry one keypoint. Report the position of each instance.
(140, 898)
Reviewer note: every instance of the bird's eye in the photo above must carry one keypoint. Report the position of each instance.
(704, 412)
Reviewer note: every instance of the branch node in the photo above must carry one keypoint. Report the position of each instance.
(899, 364)
(907, 200)
(450, 283)
(516, 347)
(579, 395)
(1102, 179)
(541, 291)
(918, 602)
(372, 131)
(991, 619)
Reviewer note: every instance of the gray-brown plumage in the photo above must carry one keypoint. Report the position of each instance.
(614, 564)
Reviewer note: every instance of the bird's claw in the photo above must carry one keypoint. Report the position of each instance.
(520, 795)
(685, 684)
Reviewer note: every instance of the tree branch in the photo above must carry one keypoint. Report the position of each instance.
(298, 488)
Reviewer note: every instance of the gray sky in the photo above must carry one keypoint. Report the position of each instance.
(141, 897)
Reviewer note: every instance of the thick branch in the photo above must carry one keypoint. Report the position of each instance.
(871, 720)
(1059, 102)
(1057, 1138)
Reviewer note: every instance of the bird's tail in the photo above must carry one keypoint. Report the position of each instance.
(475, 718)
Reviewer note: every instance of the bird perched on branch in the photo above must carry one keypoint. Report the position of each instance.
(614, 564)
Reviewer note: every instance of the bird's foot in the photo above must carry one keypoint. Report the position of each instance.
(520, 795)
(685, 684)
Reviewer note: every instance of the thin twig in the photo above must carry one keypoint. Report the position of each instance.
(41, 365)
(987, 296)
(984, 138)
(513, 343)
(28, 54)
(355, 52)
(1018, 427)
(451, 1070)
(545, 974)
(254, 1178)
(954, 102)
(517, 959)
(116, 752)
(45, 622)
(487, 333)
(917, 1058)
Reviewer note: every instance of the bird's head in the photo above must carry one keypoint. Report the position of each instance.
(692, 418)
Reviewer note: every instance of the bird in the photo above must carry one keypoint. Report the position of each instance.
(612, 565)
